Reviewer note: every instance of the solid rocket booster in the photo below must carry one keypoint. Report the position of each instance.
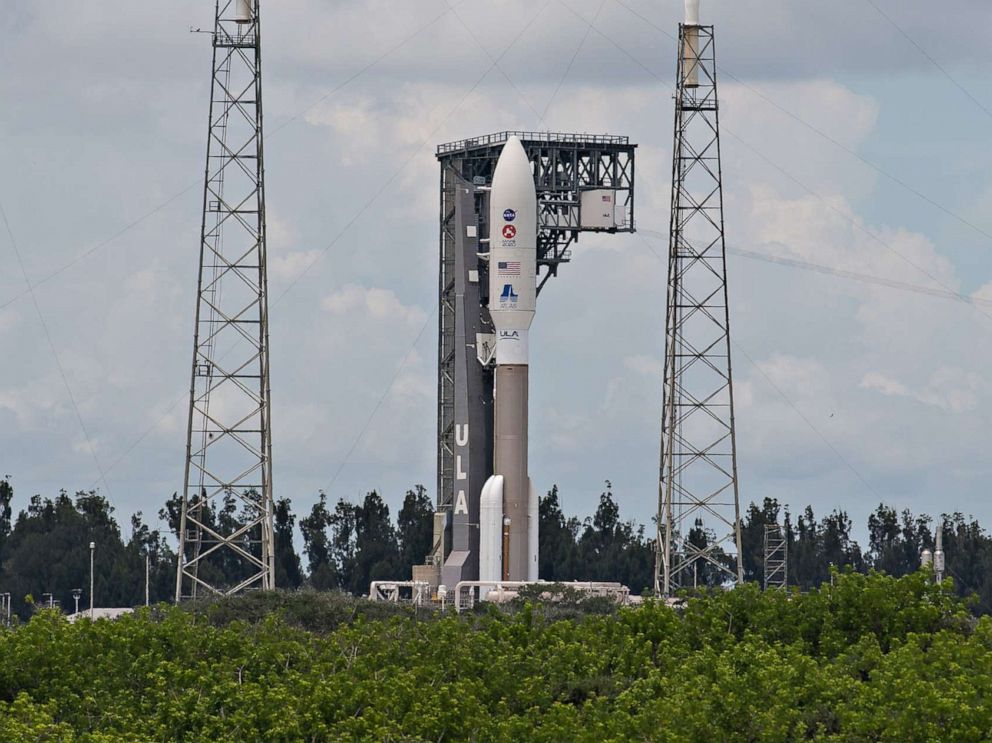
(508, 503)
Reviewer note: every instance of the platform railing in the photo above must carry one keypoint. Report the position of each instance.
(550, 137)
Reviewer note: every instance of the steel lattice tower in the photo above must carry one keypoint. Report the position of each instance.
(698, 510)
(776, 562)
(225, 535)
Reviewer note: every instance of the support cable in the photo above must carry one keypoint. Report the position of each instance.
(413, 154)
(571, 62)
(275, 130)
(396, 374)
(382, 398)
(55, 353)
(930, 59)
(478, 43)
(824, 135)
(364, 208)
(792, 404)
(857, 225)
(844, 274)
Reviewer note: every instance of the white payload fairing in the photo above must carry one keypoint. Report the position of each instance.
(508, 508)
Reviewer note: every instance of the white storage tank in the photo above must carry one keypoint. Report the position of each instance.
(690, 53)
(243, 12)
(692, 12)
(599, 209)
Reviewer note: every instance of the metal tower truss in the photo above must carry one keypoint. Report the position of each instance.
(776, 562)
(575, 175)
(699, 514)
(225, 535)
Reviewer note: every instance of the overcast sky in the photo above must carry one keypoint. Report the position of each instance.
(856, 136)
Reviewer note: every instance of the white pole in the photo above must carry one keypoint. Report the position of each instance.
(146, 580)
(92, 550)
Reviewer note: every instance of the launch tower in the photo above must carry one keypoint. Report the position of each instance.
(699, 538)
(584, 183)
(225, 535)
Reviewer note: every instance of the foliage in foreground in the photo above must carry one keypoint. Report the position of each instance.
(869, 658)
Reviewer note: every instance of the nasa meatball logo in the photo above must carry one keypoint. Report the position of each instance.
(509, 215)
(509, 231)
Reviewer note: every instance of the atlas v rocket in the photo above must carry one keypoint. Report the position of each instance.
(508, 508)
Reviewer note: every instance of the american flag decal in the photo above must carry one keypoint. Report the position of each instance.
(508, 268)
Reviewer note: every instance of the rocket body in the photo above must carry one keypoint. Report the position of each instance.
(512, 302)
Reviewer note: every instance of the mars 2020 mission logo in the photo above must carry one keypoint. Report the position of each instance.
(509, 232)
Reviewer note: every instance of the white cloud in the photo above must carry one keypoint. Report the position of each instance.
(952, 390)
(885, 385)
(292, 265)
(374, 302)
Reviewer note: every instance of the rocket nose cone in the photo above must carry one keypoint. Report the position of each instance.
(513, 152)
(513, 196)
(513, 169)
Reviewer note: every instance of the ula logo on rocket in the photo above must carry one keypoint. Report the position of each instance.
(509, 231)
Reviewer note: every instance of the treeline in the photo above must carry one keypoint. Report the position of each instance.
(896, 540)
(348, 545)
(45, 555)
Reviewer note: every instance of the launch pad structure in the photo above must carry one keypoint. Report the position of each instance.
(581, 183)
(698, 516)
(584, 183)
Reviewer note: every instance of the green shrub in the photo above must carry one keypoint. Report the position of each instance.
(870, 658)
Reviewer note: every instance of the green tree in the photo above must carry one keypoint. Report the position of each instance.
(376, 551)
(147, 542)
(895, 541)
(47, 551)
(968, 559)
(317, 547)
(289, 573)
(6, 498)
(415, 528)
(613, 550)
(558, 558)
(352, 545)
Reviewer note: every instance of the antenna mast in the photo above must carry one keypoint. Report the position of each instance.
(698, 504)
(226, 533)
